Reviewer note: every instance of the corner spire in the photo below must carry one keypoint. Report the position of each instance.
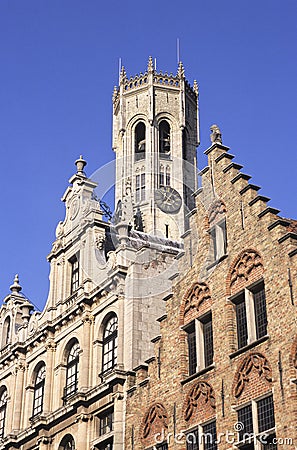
(195, 87)
(181, 70)
(15, 287)
(123, 74)
(150, 65)
(80, 165)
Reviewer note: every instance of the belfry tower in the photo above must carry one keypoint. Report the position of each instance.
(155, 135)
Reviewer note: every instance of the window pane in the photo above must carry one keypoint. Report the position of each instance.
(3, 405)
(106, 423)
(242, 333)
(260, 312)
(192, 350)
(245, 417)
(110, 344)
(210, 436)
(265, 414)
(208, 342)
(270, 445)
(192, 440)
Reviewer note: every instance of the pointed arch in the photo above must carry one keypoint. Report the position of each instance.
(246, 268)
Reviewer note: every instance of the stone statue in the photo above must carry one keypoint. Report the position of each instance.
(138, 223)
(216, 135)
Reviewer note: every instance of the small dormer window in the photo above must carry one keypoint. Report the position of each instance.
(140, 144)
(164, 139)
(74, 274)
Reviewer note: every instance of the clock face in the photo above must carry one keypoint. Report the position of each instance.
(168, 199)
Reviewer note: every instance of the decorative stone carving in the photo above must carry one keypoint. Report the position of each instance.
(255, 361)
(248, 261)
(217, 208)
(200, 392)
(100, 249)
(156, 413)
(216, 135)
(198, 294)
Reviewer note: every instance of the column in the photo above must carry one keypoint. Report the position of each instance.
(49, 390)
(18, 395)
(84, 361)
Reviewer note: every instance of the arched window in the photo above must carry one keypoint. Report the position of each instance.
(140, 141)
(67, 443)
(72, 370)
(164, 139)
(110, 344)
(3, 407)
(6, 331)
(39, 391)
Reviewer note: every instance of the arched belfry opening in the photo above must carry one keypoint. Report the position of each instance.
(164, 139)
(140, 146)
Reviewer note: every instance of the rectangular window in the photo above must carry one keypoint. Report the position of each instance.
(140, 188)
(106, 422)
(241, 321)
(74, 274)
(192, 349)
(210, 436)
(161, 179)
(208, 340)
(257, 419)
(245, 417)
(265, 414)
(218, 235)
(251, 316)
(163, 446)
(137, 189)
(192, 440)
(260, 311)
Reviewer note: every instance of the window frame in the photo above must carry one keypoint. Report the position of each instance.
(108, 427)
(139, 154)
(199, 353)
(110, 344)
(39, 383)
(75, 278)
(3, 411)
(247, 297)
(72, 370)
(201, 431)
(254, 437)
(219, 241)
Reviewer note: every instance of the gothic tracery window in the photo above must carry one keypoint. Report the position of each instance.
(39, 391)
(110, 344)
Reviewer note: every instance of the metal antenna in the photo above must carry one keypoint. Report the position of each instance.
(120, 68)
(178, 50)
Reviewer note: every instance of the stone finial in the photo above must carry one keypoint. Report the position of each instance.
(195, 87)
(216, 135)
(150, 65)
(115, 93)
(80, 165)
(123, 74)
(15, 287)
(181, 70)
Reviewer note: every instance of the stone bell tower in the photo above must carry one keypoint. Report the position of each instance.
(155, 135)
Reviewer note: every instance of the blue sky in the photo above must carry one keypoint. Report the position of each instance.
(59, 63)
